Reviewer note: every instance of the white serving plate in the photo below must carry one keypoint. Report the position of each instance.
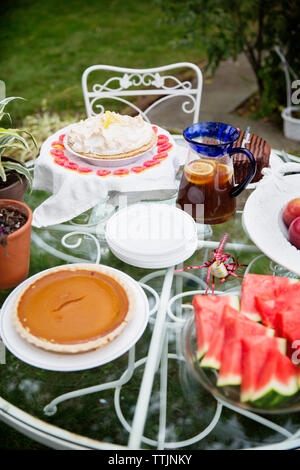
(74, 362)
(262, 216)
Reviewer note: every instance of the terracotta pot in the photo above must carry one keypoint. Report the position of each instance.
(15, 257)
(16, 185)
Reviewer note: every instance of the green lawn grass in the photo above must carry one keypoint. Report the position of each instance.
(46, 46)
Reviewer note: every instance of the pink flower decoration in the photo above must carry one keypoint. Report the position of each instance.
(138, 169)
(161, 138)
(103, 172)
(160, 156)
(84, 170)
(71, 165)
(150, 163)
(164, 147)
(57, 144)
(61, 138)
(57, 152)
(121, 172)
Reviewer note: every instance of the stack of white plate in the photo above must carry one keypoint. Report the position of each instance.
(152, 235)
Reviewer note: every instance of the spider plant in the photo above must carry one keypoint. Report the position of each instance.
(12, 138)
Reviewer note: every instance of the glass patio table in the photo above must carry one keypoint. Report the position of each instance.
(145, 399)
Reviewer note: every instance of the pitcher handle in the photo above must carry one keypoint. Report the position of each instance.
(240, 187)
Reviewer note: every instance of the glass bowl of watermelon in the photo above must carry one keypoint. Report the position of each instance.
(246, 351)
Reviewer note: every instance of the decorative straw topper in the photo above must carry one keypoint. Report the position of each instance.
(218, 266)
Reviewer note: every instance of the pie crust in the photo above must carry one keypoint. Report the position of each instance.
(133, 153)
(27, 308)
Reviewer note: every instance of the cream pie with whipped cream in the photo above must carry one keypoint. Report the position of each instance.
(73, 309)
(111, 135)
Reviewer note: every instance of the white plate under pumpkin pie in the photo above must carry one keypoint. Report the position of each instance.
(73, 309)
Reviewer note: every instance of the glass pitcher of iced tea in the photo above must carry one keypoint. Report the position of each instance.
(207, 190)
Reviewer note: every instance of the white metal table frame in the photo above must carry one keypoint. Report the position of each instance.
(167, 315)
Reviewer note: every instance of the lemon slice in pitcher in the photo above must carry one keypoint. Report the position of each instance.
(224, 173)
(199, 170)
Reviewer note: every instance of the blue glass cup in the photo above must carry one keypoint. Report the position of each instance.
(207, 190)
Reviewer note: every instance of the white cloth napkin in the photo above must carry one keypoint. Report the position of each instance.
(74, 193)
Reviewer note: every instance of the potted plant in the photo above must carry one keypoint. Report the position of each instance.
(15, 232)
(14, 175)
(291, 122)
(290, 114)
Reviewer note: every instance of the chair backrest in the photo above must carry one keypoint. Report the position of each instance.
(124, 83)
(287, 71)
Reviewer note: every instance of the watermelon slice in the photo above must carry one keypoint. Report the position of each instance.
(266, 308)
(240, 327)
(290, 290)
(281, 300)
(277, 381)
(212, 358)
(230, 370)
(231, 360)
(215, 302)
(257, 364)
(288, 326)
(206, 324)
(288, 298)
(255, 285)
(234, 326)
(208, 315)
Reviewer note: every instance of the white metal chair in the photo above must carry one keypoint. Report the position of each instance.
(123, 84)
(291, 125)
(118, 84)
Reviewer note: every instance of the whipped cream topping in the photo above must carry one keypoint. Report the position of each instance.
(110, 133)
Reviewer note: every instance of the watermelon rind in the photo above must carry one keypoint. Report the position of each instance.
(213, 361)
(234, 302)
(275, 392)
(230, 379)
(252, 316)
(282, 384)
(270, 332)
(260, 366)
(210, 363)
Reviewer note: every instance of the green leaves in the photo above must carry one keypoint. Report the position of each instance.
(4, 102)
(2, 172)
(12, 138)
(226, 28)
(18, 167)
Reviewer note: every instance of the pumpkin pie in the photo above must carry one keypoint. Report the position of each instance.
(111, 135)
(72, 309)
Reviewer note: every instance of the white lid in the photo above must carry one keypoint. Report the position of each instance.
(153, 232)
